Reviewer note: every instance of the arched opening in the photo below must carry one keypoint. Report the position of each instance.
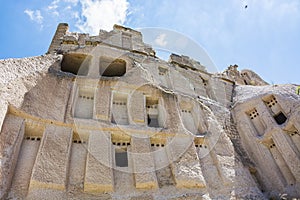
(112, 67)
(76, 63)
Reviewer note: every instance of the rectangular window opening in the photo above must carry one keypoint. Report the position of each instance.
(152, 112)
(152, 120)
(280, 118)
(121, 158)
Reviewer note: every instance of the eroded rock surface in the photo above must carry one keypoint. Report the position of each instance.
(101, 117)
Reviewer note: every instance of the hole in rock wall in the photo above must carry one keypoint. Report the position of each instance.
(246, 78)
(292, 131)
(157, 142)
(157, 145)
(33, 132)
(79, 138)
(84, 104)
(199, 142)
(121, 143)
(75, 63)
(154, 118)
(112, 67)
(121, 158)
(280, 118)
(275, 109)
(162, 71)
(119, 113)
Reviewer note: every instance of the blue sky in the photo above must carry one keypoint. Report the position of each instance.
(264, 37)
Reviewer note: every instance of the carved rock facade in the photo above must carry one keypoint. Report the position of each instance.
(101, 117)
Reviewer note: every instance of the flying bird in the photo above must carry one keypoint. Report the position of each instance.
(246, 6)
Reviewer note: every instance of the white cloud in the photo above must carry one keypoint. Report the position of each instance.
(55, 13)
(160, 40)
(34, 15)
(53, 5)
(74, 2)
(87, 16)
(101, 14)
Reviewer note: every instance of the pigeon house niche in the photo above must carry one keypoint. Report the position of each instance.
(84, 104)
(154, 112)
(110, 67)
(75, 63)
(275, 109)
(119, 113)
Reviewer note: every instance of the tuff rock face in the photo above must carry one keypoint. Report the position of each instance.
(101, 117)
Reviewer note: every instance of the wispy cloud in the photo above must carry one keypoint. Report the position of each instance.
(35, 15)
(160, 40)
(87, 16)
(53, 5)
(102, 14)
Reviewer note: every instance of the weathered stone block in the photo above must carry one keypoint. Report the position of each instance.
(186, 169)
(103, 102)
(52, 163)
(137, 107)
(99, 173)
(143, 164)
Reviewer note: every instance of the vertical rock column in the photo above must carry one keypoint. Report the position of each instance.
(99, 173)
(209, 168)
(282, 165)
(137, 107)
(61, 30)
(265, 115)
(216, 91)
(296, 135)
(3, 111)
(185, 162)
(52, 163)
(103, 101)
(143, 163)
(288, 154)
(10, 142)
(266, 166)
